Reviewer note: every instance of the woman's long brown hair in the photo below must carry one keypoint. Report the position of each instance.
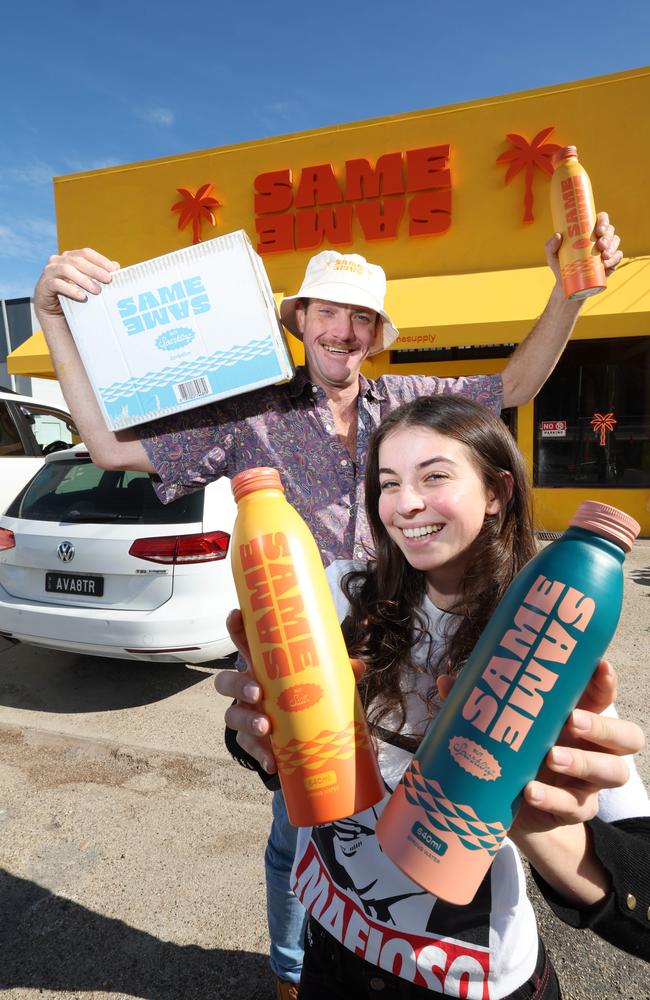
(386, 621)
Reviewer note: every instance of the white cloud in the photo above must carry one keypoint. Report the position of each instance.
(16, 289)
(35, 174)
(30, 239)
(38, 174)
(76, 166)
(280, 114)
(155, 115)
(283, 109)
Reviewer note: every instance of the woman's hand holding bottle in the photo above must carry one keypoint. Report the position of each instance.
(245, 716)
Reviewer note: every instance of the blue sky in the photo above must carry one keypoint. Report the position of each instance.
(84, 86)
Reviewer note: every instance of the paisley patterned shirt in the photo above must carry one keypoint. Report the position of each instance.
(291, 427)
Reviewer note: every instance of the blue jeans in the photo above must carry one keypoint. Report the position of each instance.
(286, 915)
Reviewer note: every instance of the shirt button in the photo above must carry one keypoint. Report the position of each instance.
(344, 461)
(328, 427)
(358, 553)
(631, 901)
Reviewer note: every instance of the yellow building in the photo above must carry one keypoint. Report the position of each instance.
(425, 195)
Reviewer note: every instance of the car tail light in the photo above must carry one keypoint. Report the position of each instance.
(7, 539)
(204, 547)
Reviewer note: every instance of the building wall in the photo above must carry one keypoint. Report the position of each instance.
(432, 201)
(126, 211)
(16, 326)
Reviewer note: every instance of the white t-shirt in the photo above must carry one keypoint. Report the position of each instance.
(341, 875)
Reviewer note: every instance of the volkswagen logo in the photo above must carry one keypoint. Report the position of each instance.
(65, 551)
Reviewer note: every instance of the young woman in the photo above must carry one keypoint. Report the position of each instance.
(449, 509)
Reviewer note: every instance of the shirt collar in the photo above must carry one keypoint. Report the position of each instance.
(300, 383)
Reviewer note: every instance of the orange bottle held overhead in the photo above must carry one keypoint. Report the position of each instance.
(326, 763)
(574, 215)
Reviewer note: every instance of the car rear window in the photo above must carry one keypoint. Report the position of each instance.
(78, 491)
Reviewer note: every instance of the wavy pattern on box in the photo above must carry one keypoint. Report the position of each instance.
(188, 371)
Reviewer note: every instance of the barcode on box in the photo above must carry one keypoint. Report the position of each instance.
(192, 389)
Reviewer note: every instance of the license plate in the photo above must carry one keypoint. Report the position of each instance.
(74, 583)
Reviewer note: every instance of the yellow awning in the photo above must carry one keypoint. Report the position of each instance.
(32, 358)
(466, 310)
(500, 307)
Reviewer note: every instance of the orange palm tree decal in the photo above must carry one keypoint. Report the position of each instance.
(603, 422)
(528, 156)
(195, 208)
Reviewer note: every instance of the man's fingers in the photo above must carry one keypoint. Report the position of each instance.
(93, 257)
(551, 247)
(72, 275)
(602, 222)
(608, 242)
(88, 261)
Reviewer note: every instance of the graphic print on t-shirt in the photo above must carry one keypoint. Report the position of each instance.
(359, 896)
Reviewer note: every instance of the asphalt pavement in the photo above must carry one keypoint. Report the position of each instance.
(131, 846)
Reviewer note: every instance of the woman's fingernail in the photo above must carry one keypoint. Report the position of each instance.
(268, 765)
(581, 720)
(561, 756)
(535, 793)
(259, 726)
(251, 692)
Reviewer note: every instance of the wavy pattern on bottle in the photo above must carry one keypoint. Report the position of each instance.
(451, 817)
(584, 269)
(315, 753)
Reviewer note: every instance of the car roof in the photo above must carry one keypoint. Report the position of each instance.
(17, 397)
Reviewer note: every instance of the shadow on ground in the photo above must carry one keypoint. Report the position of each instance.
(641, 576)
(50, 943)
(44, 680)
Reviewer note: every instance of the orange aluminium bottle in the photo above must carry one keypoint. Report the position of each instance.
(574, 215)
(326, 762)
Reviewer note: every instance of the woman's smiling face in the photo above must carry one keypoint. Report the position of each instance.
(432, 503)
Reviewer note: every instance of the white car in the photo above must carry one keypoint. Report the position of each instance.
(92, 562)
(29, 429)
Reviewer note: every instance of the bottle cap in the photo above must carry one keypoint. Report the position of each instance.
(262, 478)
(609, 522)
(563, 153)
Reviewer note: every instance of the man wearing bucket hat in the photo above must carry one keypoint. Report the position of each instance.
(341, 278)
(315, 429)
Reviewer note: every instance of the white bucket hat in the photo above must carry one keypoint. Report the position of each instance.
(347, 279)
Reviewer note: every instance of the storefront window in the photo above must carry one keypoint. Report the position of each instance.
(592, 418)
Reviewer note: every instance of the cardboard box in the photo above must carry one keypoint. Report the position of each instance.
(180, 331)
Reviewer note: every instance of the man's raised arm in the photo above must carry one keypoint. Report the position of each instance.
(77, 274)
(537, 355)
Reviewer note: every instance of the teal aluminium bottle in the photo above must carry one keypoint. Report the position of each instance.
(459, 795)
